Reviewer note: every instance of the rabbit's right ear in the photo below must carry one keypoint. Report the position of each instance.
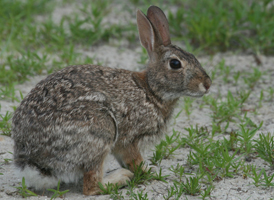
(158, 19)
(146, 32)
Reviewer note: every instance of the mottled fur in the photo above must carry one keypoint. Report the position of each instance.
(75, 117)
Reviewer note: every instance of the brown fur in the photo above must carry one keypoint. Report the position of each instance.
(91, 179)
(130, 155)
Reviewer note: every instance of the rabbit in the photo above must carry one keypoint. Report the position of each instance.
(68, 124)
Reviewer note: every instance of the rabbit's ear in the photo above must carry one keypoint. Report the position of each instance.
(158, 19)
(146, 32)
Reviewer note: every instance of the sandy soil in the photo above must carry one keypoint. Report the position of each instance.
(121, 57)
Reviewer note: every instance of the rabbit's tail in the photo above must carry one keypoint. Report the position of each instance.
(39, 181)
(35, 179)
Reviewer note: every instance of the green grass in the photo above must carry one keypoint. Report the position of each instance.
(265, 148)
(23, 191)
(57, 193)
(226, 25)
(5, 126)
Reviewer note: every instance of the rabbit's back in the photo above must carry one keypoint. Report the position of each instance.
(59, 124)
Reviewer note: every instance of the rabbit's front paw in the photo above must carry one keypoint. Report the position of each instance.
(119, 176)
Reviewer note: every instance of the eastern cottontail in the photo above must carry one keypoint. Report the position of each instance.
(67, 125)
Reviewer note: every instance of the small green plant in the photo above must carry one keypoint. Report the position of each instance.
(256, 177)
(225, 111)
(140, 176)
(244, 94)
(253, 78)
(159, 176)
(136, 196)
(23, 191)
(5, 125)
(249, 123)
(261, 98)
(7, 160)
(271, 94)
(267, 180)
(223, 161)
(191, 186)
(236, 77)
(196, 133)
(118, 196)
(109, 188)
(177, 115)
(244, 136)
(264, 146)
(206, 192)
(236, 166)
(225, 71)
(219, 128)
(57, 192)
(202, 152)
(187, 105)
(166, 148)
(179, 171)
(258, 181)
(7, 91)
(174, 191)
(232, 142)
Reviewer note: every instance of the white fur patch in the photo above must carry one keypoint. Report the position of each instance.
(71, 177)
(95, 96)
(202, 87)
(119, 176)
(34, 179)
(38, 181)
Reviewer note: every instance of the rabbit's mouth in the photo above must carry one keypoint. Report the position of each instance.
(190, 93)
(197, 93)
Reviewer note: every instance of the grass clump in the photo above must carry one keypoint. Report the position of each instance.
(166, 148)
(225, 25)
(57, 192)
(17, 21)
(5, 126)
(92, 14)
(264, 146)
(23, 191)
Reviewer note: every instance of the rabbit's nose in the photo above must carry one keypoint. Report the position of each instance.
(207, 83)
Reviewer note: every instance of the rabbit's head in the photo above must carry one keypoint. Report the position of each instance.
(172, 72)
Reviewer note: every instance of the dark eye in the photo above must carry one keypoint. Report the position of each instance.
(175, 64)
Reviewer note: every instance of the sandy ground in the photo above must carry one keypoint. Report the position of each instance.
(121, 57)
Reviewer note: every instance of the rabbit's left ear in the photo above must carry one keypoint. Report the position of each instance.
(146, 33)
(158, 19)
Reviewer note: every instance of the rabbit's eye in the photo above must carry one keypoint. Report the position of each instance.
(175, 64)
